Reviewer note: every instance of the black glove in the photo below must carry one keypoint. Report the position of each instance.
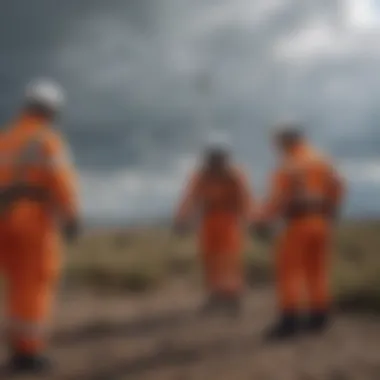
(71, 230)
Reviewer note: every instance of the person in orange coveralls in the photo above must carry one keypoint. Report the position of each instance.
(306, 191)
(219, 191)
(38, 200)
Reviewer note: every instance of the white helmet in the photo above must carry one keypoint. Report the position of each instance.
(46, 93)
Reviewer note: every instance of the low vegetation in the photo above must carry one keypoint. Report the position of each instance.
(143, 259)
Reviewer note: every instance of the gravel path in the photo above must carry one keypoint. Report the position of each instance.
(160, 336)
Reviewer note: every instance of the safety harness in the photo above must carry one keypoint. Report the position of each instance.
(227, 203)
(301, 202)
(19, 188)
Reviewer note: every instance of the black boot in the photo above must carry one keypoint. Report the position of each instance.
(287, 327)
(33, 364)
(317, 322)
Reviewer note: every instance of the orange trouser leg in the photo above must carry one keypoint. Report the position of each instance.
(221, 245)
(223, 272)
(31, 273)
(316, 273)
(29, 304)
(289, 271)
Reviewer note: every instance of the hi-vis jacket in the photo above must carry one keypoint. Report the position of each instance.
(35, 165)
(37, 188)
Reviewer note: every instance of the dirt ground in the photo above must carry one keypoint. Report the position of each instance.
(161, 336)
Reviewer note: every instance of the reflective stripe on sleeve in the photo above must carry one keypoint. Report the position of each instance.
(32, 155)
(63, 158)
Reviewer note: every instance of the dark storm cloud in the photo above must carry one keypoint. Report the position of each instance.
(147, 80)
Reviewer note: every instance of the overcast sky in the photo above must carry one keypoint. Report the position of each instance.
(148, 80)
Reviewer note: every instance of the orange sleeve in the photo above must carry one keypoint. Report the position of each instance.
(62, 177)
(279, 188)
(188, 199)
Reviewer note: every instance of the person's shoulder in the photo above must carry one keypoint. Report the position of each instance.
(55, 144)
(7, 140)
(6, 132)
(54, 139)
(196, 174)
(323, 159)
(314, 158)
(239, 169)
(53, 134)
(5, 129)
(289, 165)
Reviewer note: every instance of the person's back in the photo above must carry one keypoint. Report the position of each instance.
(15, 212)
(306, 193)
(29, 151)
(312, 189)
(219, 194)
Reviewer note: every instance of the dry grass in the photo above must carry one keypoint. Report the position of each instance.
(139, 260)
(357, 267)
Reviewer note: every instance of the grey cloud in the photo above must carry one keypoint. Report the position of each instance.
(147, 79)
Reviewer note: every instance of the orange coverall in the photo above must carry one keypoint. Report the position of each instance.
(225, 204)
(29, 234)
(303, 248)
